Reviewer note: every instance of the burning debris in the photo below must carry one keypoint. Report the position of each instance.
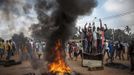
(57, 21)
(58, 65)
(72, 73)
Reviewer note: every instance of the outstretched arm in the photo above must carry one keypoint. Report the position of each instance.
(100, 23)
(105, 27)
(93, 23)
(79, 30)
(85, 26)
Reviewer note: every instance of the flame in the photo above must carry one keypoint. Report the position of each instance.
(58, 65)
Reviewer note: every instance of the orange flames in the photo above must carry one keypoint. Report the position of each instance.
(58, 65)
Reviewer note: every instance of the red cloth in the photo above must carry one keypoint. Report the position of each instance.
(103, 38)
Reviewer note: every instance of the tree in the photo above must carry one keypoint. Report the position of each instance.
(1, 39)
(128, 29)
(108, 34)
(120, 35)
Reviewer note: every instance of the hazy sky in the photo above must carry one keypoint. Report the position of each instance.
(21, 20)
(108, 8)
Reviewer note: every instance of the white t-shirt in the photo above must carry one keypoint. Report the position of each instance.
(94, 35)
(106, 46)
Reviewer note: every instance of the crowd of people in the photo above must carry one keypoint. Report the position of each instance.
(74, 49)
(93, 41)
(114, 50)
(9, 49)
(93, 37)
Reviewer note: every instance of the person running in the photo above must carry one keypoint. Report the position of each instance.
(13, 46)
(40, 50)
(111, 51)
(120, 51)
(70, 50)
(1, 49)
(30, 49)
(8, 50)
(79, 49)
(25, 54)
(75, 50)
(131, 54)
(106, 50)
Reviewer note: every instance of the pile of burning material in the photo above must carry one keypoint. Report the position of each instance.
(48, 73)
(71, 73)
(58, 65)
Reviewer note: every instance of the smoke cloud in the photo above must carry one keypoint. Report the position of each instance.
(15, 14)
(57, 20)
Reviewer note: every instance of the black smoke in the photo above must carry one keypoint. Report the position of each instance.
(16, 7)
(57, 21)
(13, 13)
(19, 40)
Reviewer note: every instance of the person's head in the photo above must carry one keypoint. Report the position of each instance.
(2, 41)
(89, 24)
(105, 41)
(89, 27)
(93, 23)
(7, 41)
(10, 41)
(119, 42)
(82, 30)
(98, 28)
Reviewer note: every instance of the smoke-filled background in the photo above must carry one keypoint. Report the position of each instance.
(16, 16)
(57, 19)
(52, 19)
